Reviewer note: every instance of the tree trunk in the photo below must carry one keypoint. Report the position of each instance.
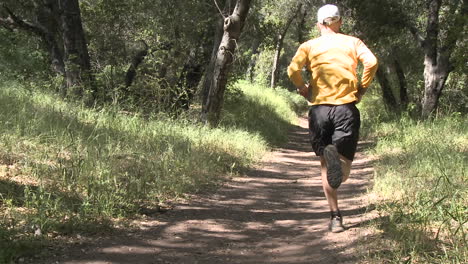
(432, 85)
(233, 24)
(137, 59)
(387, 94)
(437, 64)
(275, 65)
(217, 40)
(301, 25)
(279, 47)
(189, 78)
(402, 83)
(435, 77)
(77, 61)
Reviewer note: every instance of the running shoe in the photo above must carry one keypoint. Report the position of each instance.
(336, 225)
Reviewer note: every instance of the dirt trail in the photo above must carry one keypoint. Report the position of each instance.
(276, 213)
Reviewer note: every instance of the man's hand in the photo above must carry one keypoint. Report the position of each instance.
(361, 91)
(304, 90)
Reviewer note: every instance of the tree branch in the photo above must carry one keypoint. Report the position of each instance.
(219, 9)
(416, 34)
(7, 23)
(14, 21)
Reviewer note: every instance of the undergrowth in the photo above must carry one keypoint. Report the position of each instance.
(65, 168)
(421, 182)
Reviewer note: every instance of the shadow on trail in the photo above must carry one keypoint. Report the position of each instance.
(274, 214)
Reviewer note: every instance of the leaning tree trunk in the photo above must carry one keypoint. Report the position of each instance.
(77, 61)
(279, 47)
(218, 36)
(233, 24)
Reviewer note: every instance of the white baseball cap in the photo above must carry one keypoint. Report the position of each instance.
(328, 11)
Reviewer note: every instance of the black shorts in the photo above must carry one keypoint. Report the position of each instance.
(337, 125)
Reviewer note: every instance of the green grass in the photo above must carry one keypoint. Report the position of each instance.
(262, 110)
(421, 182)
(65, 168)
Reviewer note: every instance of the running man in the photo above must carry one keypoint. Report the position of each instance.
(332, 92)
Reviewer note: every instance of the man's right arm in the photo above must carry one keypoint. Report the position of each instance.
(295, 69)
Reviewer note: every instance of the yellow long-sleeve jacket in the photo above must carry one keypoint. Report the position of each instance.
(332, 60)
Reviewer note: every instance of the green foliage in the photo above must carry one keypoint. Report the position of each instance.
(178, 33)
(276, 12)
(182, 32)
(373, 113)
(263, 67)
(454, 99)
(19, 56)
(421, 182)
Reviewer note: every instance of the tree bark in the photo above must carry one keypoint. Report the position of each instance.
(402, 83)
(279, 48)
(387, 94)
(77, 61)
(432, 85)
(233, 25)
(435, 77)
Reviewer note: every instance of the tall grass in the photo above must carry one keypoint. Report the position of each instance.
(65, 168)
(421, 179)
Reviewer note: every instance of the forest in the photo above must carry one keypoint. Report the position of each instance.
(110, 109)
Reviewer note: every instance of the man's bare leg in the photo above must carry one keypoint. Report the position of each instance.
(345, 167)
(332, 194)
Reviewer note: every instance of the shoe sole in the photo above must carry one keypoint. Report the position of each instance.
(333, 163)
(337, 229)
